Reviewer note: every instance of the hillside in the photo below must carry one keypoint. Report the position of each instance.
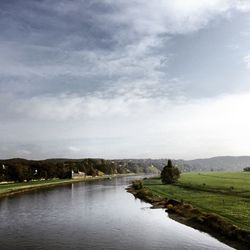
(220, 163)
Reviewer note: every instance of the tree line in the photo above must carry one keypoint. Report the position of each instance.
(20, 170)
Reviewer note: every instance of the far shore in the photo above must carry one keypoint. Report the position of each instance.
(11, 188)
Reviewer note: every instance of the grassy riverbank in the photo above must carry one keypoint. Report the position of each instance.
(216, 203)
(225, 194)
(15, 188)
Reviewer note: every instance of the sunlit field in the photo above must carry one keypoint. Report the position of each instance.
(224, 193)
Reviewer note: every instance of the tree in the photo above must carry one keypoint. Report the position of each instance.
(170, 174)
(19, 172)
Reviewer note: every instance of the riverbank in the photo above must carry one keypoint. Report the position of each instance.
(189, 205)
(9, 189)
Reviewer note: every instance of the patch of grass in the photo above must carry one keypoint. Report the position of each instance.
(226, 194)
(12, 188)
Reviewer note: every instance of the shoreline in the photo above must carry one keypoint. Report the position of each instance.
(186, 214)
(46, 184)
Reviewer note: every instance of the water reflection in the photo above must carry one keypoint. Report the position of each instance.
(98, 215)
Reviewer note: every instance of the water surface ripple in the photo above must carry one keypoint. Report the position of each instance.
(100, 215)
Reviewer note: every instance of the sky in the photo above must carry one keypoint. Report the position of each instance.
(124, 79)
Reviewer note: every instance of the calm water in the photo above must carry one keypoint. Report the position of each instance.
(100, 215)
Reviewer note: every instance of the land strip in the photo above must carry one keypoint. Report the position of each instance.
(217, 203)
(7, 189)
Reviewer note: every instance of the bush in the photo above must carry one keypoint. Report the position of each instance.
(247, 169)
(138, 184)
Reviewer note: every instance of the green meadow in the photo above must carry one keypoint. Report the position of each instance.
(224, 193)
(12, 188)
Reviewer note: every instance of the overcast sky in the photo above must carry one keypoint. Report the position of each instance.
(124, 79)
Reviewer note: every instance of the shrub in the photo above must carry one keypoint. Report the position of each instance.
(170, 207)
(138, 184)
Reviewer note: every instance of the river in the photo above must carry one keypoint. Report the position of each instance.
(96, 215)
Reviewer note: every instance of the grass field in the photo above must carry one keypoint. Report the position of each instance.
(12, 188)
(224, 193)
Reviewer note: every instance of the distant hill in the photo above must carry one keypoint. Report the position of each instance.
(147, 166)
(220, 163)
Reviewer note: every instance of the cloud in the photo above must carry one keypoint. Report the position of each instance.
(170, 17)
(243, 5)
(139, 128)
(118, 45)
(94, 78)
(246, 60)
(121, 100)
(23, 152)
(74, 149)
(79, 71)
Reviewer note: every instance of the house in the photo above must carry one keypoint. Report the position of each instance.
(78, 174)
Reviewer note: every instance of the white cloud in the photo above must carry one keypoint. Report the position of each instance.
(23, 153)
(130, 126)
(74, 149)
(243, 5)
(166, 16)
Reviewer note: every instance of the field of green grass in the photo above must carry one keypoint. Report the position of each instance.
(224, 193)
(9, 188)
(12, 187)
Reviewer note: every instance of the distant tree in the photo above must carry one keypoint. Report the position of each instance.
(170, 174)
(19, 172)
(63, 171)
(247, 169)
(170, 164)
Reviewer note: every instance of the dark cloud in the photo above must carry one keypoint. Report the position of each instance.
(41, 39)
(73, 25)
